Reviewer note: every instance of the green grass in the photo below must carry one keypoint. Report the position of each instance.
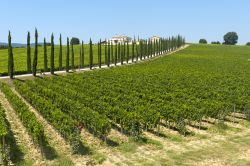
(20, 56)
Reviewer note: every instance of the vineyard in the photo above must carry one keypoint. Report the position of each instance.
(189, 88)
(50, 57)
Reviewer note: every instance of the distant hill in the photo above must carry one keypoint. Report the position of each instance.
(15, 45)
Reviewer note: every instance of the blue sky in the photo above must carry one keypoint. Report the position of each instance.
(194, 19)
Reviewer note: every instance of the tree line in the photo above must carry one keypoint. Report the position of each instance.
(122, 52)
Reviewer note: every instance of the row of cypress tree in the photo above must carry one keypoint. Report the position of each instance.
(113, 53)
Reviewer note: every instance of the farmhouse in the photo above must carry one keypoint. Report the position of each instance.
(155, 38)
(120, 39)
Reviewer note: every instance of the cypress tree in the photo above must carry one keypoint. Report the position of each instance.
(60, 53)
(154, 48)
(116, 53)
(108, 55)
(10, 58)
(137, 52)
(119, 52)
(147, 50)
(133, 51)
(82, 56)
(52, 65)
(67, 56)
(28, 54)
(100, 54)
(90, 54)
(127, 52)
(45, 58)
(35, 54)
(141, 49)
(80, 60)
(122, 53)
(72, 57)
(112, 52)
(144, 49)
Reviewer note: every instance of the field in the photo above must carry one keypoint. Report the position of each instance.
(188, 108)
(20, 56)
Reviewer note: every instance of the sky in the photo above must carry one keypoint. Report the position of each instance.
(85, 19)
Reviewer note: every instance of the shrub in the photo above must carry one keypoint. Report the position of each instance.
(74, 41)
(231, 38)
(248, 44)
(215, 42)
(203, 41)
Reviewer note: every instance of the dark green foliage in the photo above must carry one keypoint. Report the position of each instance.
(122, 52)
(67, 56)
(106, 52)
(141, 49)
(215, 42)
(82, 56)
(248, 44)
(154, 45)
(29, 120)
(112, 53)
(35, 54)
(100, 54)
(90, 54)
(3, 47)
(4, 138)
(116, 53)
(64, 124)
(137, 51)
(10, 58)
(52, 56)
(45, 57)
(72, 57)
(231, 38)
(74, 41)
(133, 51)
(127, 52)
(119, 52)
(203, 41)
(28, 54)
(147, 49)
(60, 53)
(108, 58)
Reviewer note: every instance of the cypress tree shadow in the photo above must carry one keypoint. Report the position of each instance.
(49, 151)
(16, 155)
